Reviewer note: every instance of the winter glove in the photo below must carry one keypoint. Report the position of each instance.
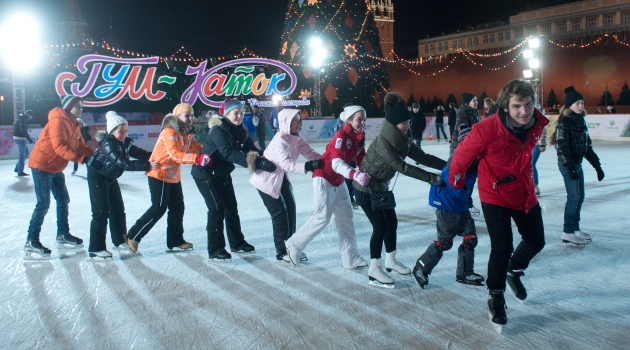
(314, 164)
(362, 178)
(436, 180)
(600, 173)
(573, 175)
(203, 160)
(265, 165)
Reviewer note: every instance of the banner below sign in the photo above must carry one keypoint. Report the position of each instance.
(136, 78)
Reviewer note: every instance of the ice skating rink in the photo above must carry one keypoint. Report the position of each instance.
(578, 298)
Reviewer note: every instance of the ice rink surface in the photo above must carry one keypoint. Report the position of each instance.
(578, 298)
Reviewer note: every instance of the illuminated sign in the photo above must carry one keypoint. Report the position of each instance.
(110, 79)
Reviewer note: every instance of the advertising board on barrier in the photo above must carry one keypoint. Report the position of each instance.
(107, 80)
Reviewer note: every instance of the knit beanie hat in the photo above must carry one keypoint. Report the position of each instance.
(396, 113)
(572, 96)
(68, 101)
(113, 120)
(349, 111)
(466, 98)
(182, 108)
(415, 105)
(229, 105)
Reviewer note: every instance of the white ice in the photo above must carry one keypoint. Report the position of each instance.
(578, 298)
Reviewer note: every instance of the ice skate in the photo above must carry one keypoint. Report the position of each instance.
(474, 211)
(123, 246)
(516, 286)
(361, 263)
(472, 279)
(572, 238)
(69, 241)
(392, 264)
(103, 254)
(294, 255)
(34, 250)
(377, 276)
(244, 248)
(496, 308)
(133, 245)
(420, 277)
(285, 257)
(184, 247)
(583, 235)
(220, 255)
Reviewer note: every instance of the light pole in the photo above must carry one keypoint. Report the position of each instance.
(587, 84)
(535, 72)
(1, 110)
(19, 44)
(318, 54)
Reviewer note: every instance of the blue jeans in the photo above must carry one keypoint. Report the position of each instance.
(575, 198)
(535, 155)
(23, 153)
(438, 127)
(44, 184)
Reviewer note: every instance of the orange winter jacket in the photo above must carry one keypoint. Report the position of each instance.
(59, 143)
(175, 146)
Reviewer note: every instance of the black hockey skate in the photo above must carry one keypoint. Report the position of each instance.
(221, 255)
(244, 248)
(420, 277)
(69, 241)
(34, 250)
(516, 286)
(496, 308)
(473, 279)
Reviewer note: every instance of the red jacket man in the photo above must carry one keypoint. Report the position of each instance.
(503, 144)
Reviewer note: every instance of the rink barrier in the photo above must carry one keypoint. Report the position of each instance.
(609, 127)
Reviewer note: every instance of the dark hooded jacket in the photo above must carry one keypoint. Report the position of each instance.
(20, 128)
(386, 156)
(572, 140)
(466, 118)
(228, 144)
(112, 157)
(418, 124)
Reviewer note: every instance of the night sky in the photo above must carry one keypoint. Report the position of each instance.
(221, 27)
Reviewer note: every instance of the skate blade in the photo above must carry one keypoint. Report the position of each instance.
(398, 272)
(179, 250)
(376, 283)
(497, 327)
(96, 257)
(470, 283)
(69, 246)
(36, 256)
(220, 261)
(577, 244)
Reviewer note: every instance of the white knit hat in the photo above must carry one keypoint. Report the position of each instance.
(349, 111)
(113, 120)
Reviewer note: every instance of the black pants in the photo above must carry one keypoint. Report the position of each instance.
(107, 204)
(218, 193)
(282, 211)
(530, 227)
(450, 225)
(384, 225)
(164, 196)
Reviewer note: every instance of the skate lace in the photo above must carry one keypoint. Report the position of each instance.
(498, 305)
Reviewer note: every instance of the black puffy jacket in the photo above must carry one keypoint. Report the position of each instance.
(572, 140)
(418, 124)
(111, 158)
(20, 128)
(228, 144)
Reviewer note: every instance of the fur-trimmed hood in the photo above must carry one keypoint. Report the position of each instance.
(251, 161)
(100, 135)
(216, 120)
(171, 121)
(565, 112)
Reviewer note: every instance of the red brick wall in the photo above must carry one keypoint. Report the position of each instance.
(599, 64)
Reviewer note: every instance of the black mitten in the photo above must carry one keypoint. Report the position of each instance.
(265, 165)
(600, 173)
(314, 164)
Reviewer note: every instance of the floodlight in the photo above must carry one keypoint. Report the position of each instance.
(534, 43)
(527, 74)
(528, 53)
(534, 63)
(19, 42)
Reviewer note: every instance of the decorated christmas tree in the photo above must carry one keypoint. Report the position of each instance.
(353, 68)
